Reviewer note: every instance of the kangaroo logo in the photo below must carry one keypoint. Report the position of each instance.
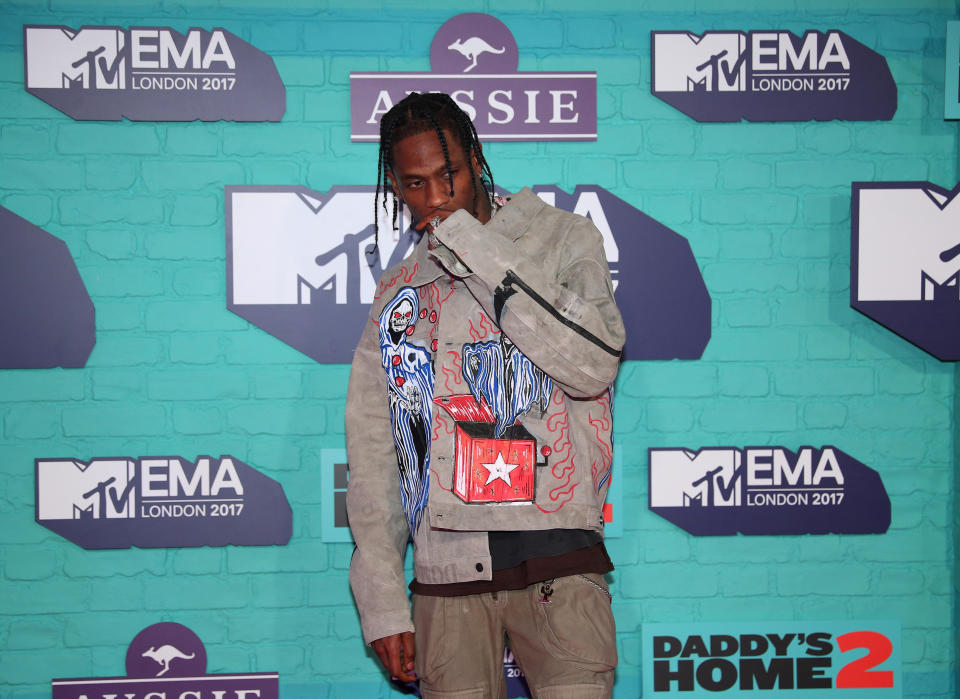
(164, 655)
(466, 40)
(472, 49)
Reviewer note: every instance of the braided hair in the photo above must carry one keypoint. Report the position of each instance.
(417, 113)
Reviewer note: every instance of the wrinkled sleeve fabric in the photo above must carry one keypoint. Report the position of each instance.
(373, 502)
(565, 321)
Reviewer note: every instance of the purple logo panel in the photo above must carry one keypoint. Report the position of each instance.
(771, 76)
(169, 660)
(160, 502)
(151, 74)
(46, 315)
(474, 58)
(296, 268)
(517, 107)
(767, 490)
(905, 261)
(261, 686)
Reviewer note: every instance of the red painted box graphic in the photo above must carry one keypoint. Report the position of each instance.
(488, 469)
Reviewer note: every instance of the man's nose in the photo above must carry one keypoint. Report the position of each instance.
(438, 193)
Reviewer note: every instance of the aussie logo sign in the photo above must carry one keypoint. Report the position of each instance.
(773, 659)
(151, 74)
(905, 261)
(46, 315)
(162, 501)
(296, 268)
(767, 490)
(474, 58)
(771, 76)
(169, 660)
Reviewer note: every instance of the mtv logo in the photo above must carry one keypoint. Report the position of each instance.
(69, 489)
(297, 267)
(685, 62)
(706, 478)
(909, 243)
(905, 261)
(60, 57)
(290, 243)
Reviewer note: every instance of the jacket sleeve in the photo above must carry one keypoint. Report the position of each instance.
(566, 323)
(373, 501)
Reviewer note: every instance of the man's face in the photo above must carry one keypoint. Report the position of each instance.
(420, 177)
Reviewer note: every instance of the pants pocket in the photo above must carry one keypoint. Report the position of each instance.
(577, 623)
(437, 636)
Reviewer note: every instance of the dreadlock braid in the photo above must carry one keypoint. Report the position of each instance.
(417, 113)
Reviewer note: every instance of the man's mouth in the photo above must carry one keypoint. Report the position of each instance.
(433, 222)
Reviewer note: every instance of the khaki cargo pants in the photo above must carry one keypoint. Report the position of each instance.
(562, 635)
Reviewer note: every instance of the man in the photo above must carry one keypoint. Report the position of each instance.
(479, 423)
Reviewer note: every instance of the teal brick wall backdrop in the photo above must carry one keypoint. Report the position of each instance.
(766, 208)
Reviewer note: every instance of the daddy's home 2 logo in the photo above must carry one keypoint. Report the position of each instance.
(905, 261)
(767, 490)
(474, 58)
(151, 74)
(771, 76)
(296, 267)
(46, 315)
(161, 501)
(168, 661)
(818, 659)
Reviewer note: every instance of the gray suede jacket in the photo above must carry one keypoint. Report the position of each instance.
(479, 400)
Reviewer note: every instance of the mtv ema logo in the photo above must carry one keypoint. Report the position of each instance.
(771, 76)
(767, 490)
(169, 660)
(156, 502)
(474, 58)
(905, 261)
(151, 74)
(296, 268)
(46, 315)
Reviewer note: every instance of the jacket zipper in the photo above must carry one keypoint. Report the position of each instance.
(512, 278)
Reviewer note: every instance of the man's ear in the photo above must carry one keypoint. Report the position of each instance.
(475, 158)
(393, 185)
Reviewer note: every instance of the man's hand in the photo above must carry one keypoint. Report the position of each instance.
(447, 258)
(397, 653)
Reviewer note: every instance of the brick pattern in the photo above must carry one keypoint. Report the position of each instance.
(764, 206)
